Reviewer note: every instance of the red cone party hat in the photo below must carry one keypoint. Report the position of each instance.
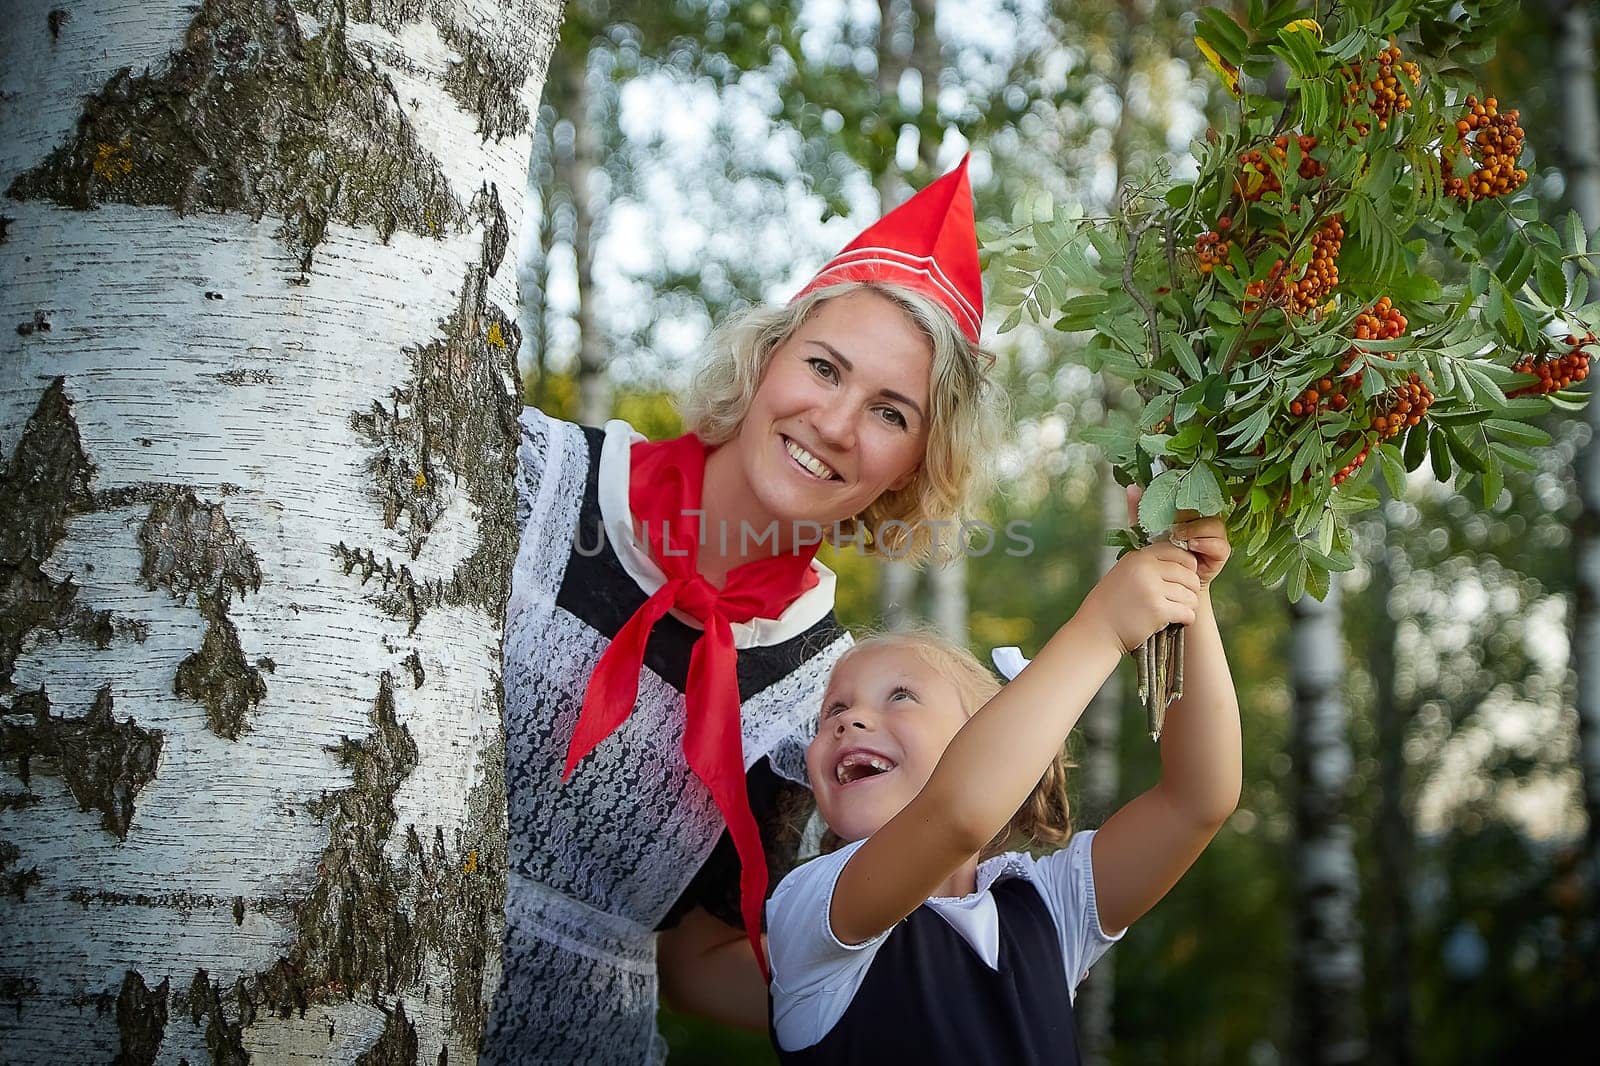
(929, 243)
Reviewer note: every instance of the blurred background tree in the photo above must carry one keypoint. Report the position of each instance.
(696, 156)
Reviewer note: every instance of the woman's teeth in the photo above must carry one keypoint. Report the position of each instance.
(810, 462)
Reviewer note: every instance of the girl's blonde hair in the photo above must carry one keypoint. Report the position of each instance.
(1044, 821)
(963, 423)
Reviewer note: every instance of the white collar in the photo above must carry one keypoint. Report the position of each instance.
(975, 916)
(615, 512)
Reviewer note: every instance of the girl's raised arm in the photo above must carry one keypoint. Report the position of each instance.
(997, 757)
(1144, 848)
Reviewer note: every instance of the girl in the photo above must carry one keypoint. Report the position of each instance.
(668, 630)
(920, 940)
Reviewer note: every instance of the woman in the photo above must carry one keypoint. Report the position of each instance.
(669, 631)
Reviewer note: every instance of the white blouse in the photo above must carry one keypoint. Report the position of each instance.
(815, 975)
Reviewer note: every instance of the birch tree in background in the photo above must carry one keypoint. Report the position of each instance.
(1102, 720)
(908, 43)
(575, 152)
(1393, 1024)
(1326, 1018)
(258, 427)
(1575, 60)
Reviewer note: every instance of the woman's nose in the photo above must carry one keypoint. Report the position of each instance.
(834, 423)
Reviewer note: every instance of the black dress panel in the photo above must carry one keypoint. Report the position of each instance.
(929, 999)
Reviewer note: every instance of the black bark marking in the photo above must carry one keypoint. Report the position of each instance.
(104, 762)
(396, 1045)
(251, 116)
(485, 80)
(183, 902)
(43, 486)
(353, 933)
(141, 1020)
(188, 546)
(355, 930)
(57, 18)
(401, 595)
(15, 988)
(6, 222)
(15, 882)
(496, 231)
(457, 419)
(16, 801)
(413, 662)
(224, 1038)
(39, 323)
(461, 912)
(219, 677)
(369, 921)
(254, 376)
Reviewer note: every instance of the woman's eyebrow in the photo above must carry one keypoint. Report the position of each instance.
(849, 366)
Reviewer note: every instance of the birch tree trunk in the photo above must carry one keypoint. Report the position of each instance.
(1327, 1017)
(1575, 60)
(575, 163)
(947, 582)
(533, 263)
(257, 433)
(1102, 782)
(897, 580)
(1394, 1038)
(1102, 720)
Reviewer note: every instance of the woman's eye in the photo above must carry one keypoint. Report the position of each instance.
(893, 416)
(824, 368)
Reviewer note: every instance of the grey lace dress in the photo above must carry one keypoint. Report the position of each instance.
(632, 840)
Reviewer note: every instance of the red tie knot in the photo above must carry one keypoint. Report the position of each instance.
(697, 598)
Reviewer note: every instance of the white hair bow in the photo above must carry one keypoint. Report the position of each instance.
(1009, 661)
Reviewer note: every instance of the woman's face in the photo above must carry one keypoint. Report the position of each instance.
(841, 415)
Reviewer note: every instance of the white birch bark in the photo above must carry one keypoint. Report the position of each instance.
(1575, 59)
(575, 164)
(897, 580)
(947, 581)
(1393, 1023)
(256, 522)
(1327, 1022)
(1102, 720)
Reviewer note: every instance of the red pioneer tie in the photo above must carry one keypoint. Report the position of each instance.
(664, 493)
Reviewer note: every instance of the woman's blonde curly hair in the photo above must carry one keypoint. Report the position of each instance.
(964, 422)
(1044, 821)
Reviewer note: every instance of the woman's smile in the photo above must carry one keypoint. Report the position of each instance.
(807, 463)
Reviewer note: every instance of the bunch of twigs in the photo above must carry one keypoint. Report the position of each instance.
(1160, 661)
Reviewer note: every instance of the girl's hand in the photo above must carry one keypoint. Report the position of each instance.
(1145, 591)
(1205, 538)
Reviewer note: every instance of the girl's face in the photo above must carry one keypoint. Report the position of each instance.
(841, 415)
(887, 717)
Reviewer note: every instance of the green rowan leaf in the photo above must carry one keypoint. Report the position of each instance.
(1512, 457)
(1394, 471)
(1159, 502)
(1201, 491)
(1439, 452)
(1518, 433)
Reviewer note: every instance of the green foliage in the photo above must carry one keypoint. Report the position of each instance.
(1220, 351)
